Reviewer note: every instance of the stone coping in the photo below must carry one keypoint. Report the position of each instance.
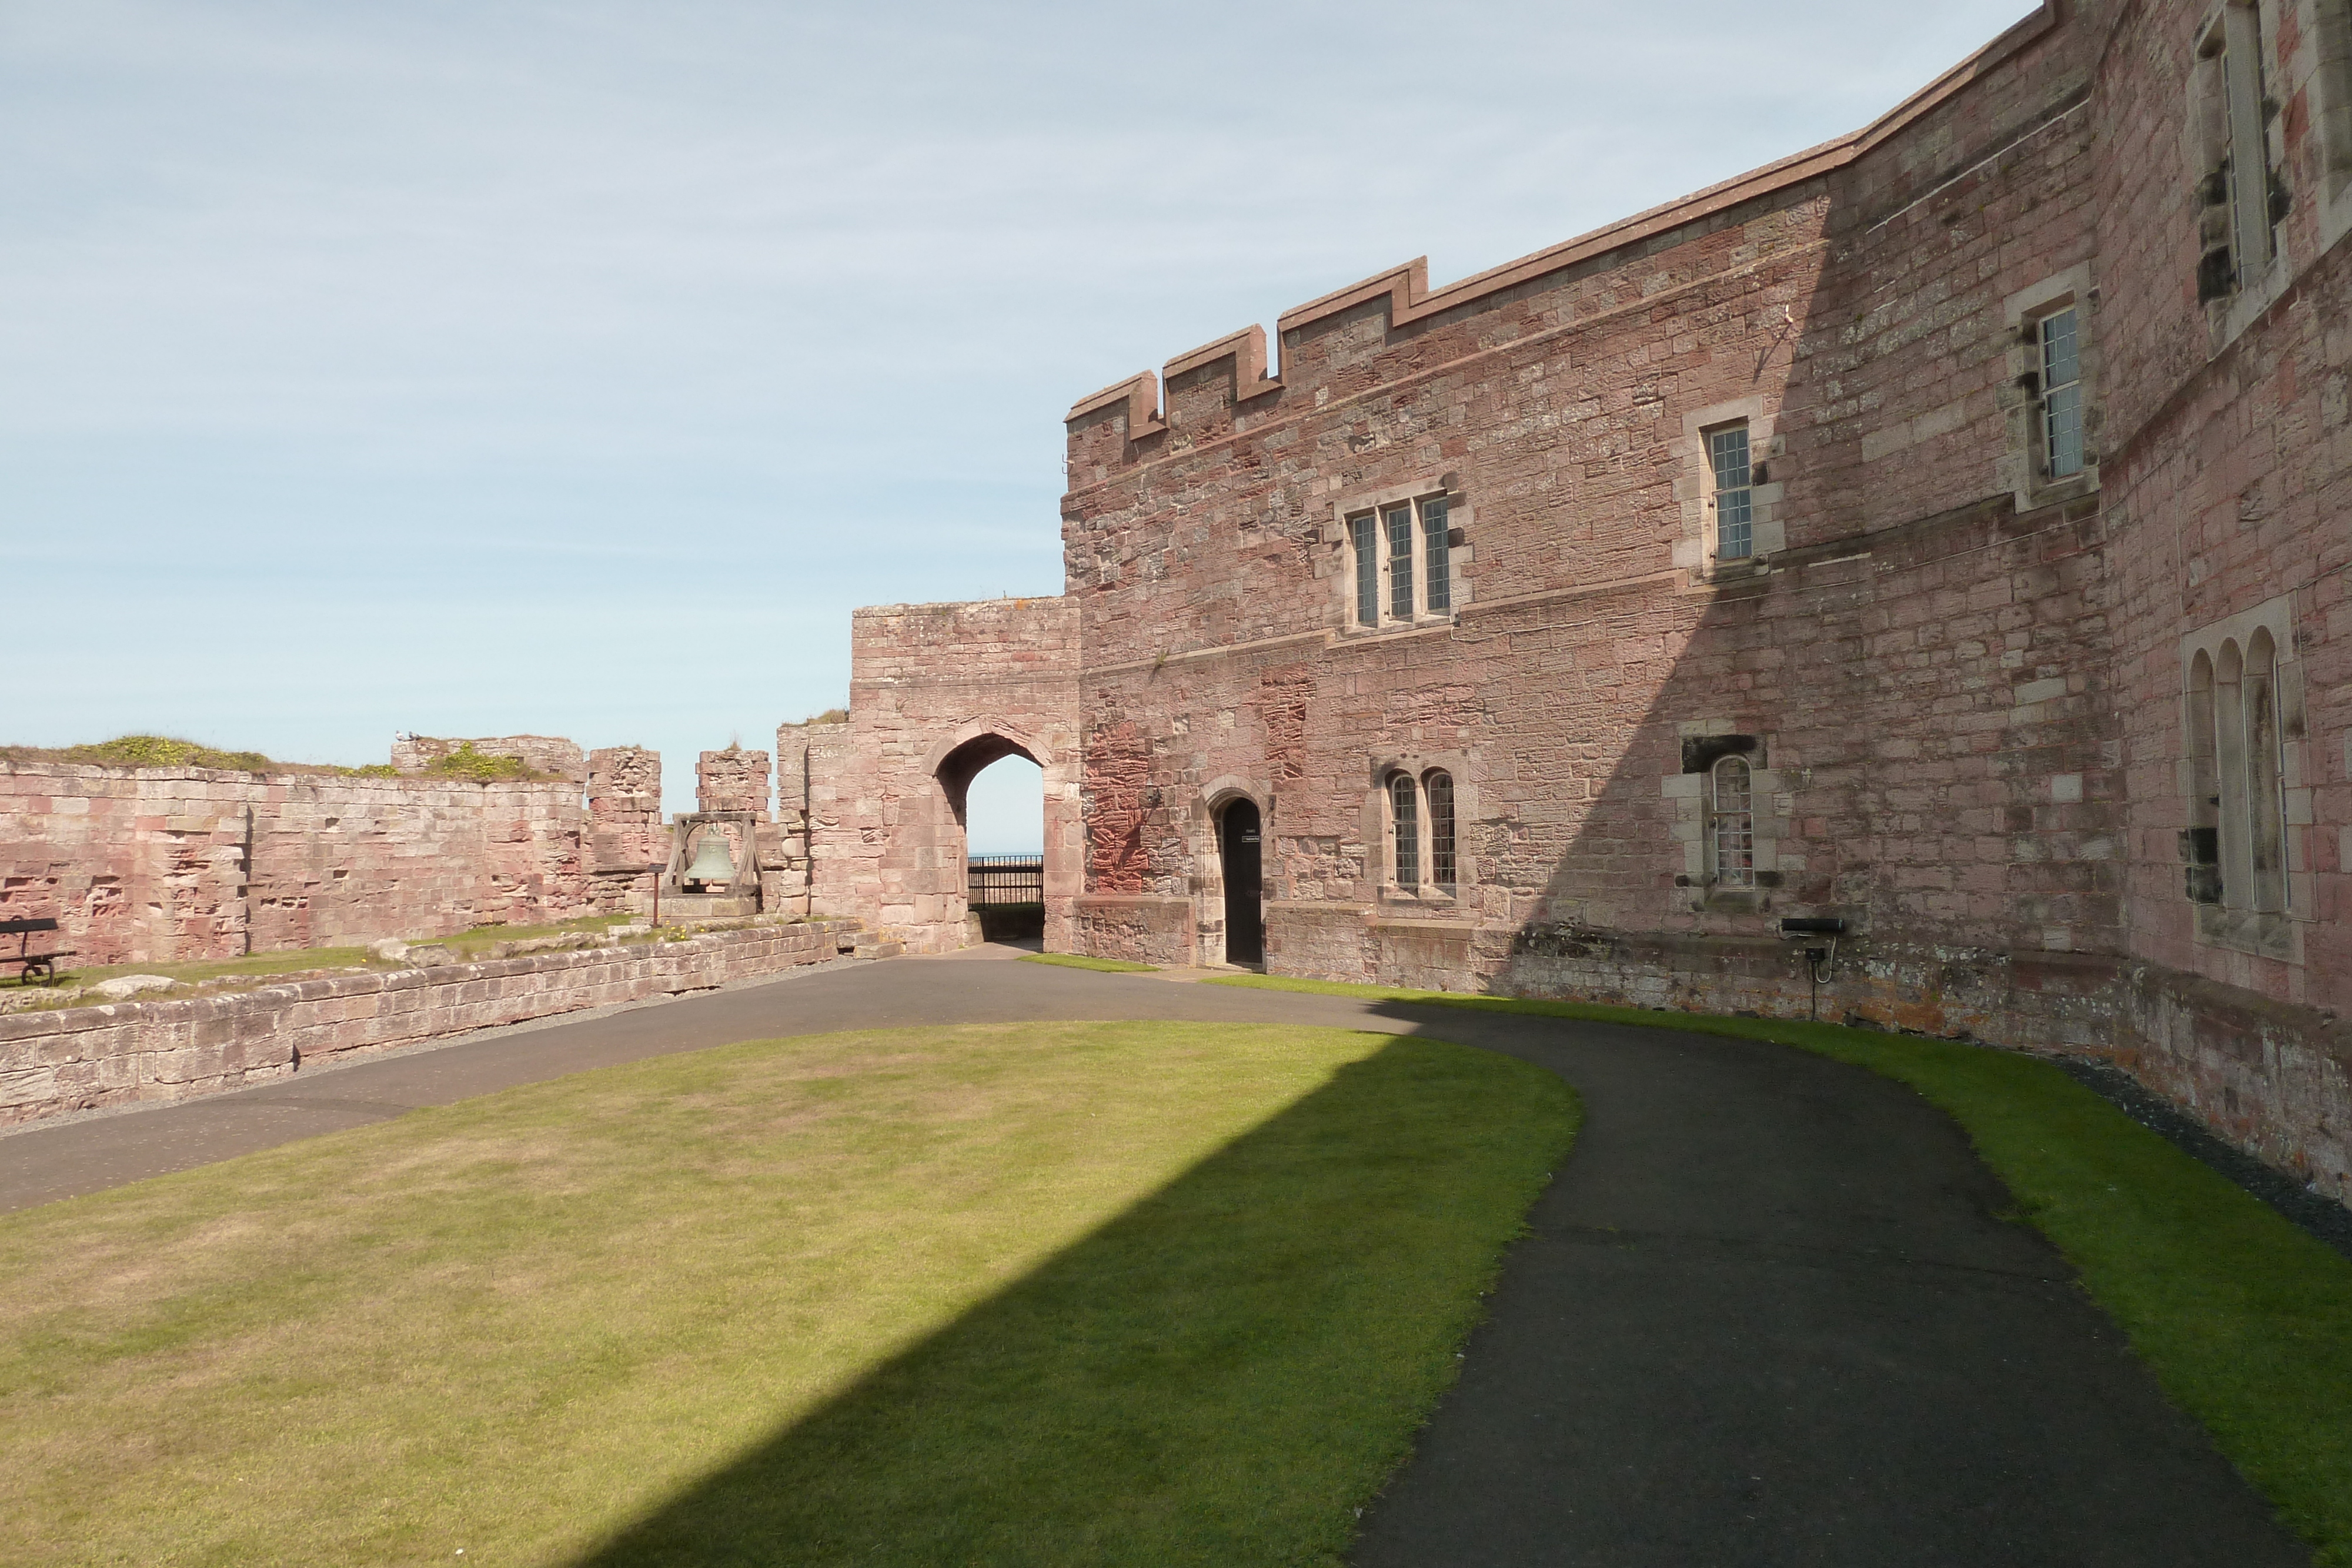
(89, 1058)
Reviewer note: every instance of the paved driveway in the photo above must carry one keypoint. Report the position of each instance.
(1766, 1315)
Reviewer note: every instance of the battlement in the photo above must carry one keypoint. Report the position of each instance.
(1120, 425)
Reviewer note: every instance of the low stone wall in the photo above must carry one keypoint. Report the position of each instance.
(1140, 928)
(81, 1058)
(2268, 1076)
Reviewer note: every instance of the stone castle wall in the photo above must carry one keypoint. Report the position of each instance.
(159, 864)
(938, 692)
(1962, 679)
(625, 835)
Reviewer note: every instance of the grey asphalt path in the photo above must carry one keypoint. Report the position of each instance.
(1767, 1313)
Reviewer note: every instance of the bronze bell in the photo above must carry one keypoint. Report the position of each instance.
(712, 860)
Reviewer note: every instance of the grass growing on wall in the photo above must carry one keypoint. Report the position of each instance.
(481, 766)
(144, 752)
(902, 1297)
(465, 945)
(167, 751)
(2245, 1319)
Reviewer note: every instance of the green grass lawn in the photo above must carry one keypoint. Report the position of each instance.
(466, 945)
(477, 942)
(1081, 961)
(259, 966)
(1039, 1293)
(2244, 1318)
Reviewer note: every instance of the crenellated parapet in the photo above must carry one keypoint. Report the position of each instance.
(1330, 345)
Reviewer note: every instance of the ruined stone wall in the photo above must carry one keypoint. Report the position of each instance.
(936, 693)
(733, 780)
(349, 859)
(626, 833)
(144, 863)
(160, 864)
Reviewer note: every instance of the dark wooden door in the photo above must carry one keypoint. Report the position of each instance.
(1245, 878)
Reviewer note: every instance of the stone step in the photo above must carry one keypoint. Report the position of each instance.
(681, 908)
(869, 946)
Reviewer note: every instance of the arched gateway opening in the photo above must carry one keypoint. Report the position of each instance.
(937, 694)
(1011, 890)
(1004, 863)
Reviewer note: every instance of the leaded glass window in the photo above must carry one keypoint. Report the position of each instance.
(1407, 830)
(1440, 787)
(2061, 394)
(1733, 825)
(1367, 571)
(1399, 520)
(1727, 450)
(1438, 557)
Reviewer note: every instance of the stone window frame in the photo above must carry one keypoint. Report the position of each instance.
(2327, 32)
(2217, 793)
(1379, 828)
(1694, 479)
(2245, 32)
(1728, 829)
(2024, 466)
(1374, 504)
(1771, 804)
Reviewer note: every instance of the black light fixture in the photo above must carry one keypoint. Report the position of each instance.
(1819, 956)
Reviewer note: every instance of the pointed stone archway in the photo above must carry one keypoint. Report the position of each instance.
(953, 764)
(938, 692)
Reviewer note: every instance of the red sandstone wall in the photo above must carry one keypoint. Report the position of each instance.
(157, 864)
(348, 860)
(1926, 668)
(81, 1058)
(140, 863)
(2228, 476)
(625, 835)
(1967, 680)
(936, 692)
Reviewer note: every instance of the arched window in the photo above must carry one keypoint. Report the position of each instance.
(2201, 844)
(1732, 824)
(1438, 785)
(2239, 712)
(2265, 808)
(1405, 821)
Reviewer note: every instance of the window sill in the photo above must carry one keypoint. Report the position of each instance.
(1731, 901)
(2267, 934)
(1427, 898)
(2058, 492)
(1440, 623)
(2227, 319)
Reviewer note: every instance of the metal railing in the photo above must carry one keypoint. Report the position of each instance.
(1005, 879)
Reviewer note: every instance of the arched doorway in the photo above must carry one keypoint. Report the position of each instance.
(1005, 851)
(1239, 831)
(937, 852)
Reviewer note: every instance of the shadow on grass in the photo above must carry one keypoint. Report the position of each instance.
(1223, 1374)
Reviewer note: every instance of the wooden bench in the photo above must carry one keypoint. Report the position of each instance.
(29, 963)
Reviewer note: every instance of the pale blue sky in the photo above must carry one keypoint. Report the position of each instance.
(575, 368)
